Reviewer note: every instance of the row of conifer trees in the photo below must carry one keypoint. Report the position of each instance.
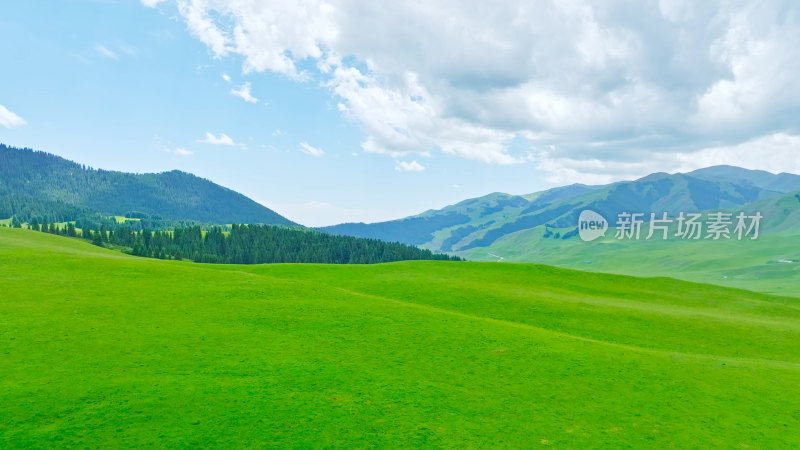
(242, 244)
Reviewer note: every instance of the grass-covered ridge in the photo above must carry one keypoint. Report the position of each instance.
(102, 349)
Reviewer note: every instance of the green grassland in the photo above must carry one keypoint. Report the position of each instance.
(123, 219)
(101, 349)
(746, 264)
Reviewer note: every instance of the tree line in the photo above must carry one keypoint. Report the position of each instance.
(242, 244)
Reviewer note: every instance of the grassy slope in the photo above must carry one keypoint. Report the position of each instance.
(745, 264)
(101, 349)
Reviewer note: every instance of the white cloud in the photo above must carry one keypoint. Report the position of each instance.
(610, 86)
(151, 3)
(179, 151)
(413, 166)
(10, 120)
(202, 27)
(222, 139)
(406, 120)
(309, 150)
(226, 77)
(759, 52)
(104, 51)
(775, 153)
(244, 93)
(292, 31)
(129, 50)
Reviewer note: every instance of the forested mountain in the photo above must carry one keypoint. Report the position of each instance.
(36, 184)
(480, 222)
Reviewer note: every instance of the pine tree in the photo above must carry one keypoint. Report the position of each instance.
(96, 239)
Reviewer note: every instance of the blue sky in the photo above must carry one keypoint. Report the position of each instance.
(371, 111)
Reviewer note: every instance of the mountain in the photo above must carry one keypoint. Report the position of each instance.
(466, 217)
(769, 263)
(39, 184)
(480, 222)
(781, 214)
(782, 182)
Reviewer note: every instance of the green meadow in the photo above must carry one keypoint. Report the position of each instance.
(123, 219)
(769, 264)
(102, 349)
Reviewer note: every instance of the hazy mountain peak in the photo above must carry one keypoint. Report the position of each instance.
(781, 183)
(654, 176)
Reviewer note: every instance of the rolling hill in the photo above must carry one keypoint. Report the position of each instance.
(101, 349)
(38, 184)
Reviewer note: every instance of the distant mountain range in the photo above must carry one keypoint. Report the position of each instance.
(38, 184)
(482, 222)
(538, 228)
